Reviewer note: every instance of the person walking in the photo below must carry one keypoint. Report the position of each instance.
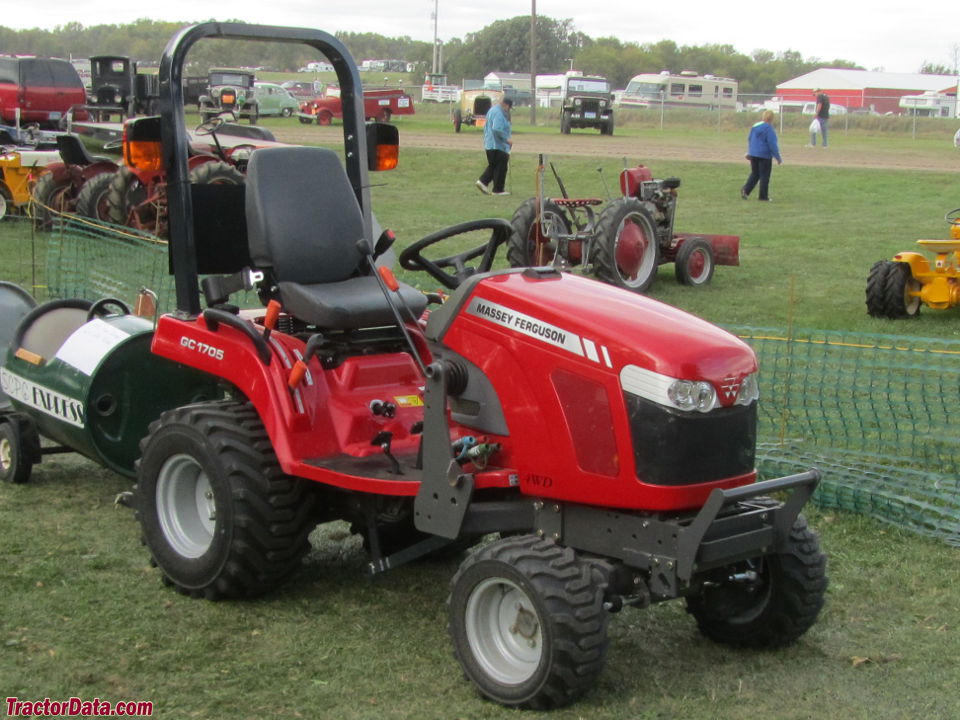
(823, 117)
(762, 149)
(497, 144)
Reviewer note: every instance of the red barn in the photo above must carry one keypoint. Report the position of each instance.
(865, 90)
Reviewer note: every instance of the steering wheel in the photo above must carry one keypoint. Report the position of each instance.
(210, 126)
(412, 258)
(101, 308)
(953, 216)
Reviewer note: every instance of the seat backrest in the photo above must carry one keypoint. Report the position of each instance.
(303, 219)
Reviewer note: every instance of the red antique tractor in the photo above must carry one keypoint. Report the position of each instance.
(606, 438)
(624, 243)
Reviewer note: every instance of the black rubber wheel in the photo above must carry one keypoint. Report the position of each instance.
(565, 123)
(527, 622)
(52, 199)
(216, 173)
(253, 115)
(695, 263)
(15, 466)
(217, 513)
(527, 246)
(6, 201)
(93, 200)
(286, 112)
(898, 290)
(324, 117)
(607, 127)
(124, 193)
(765, 602)
(876, 288)
(457, 120)
(628, 252)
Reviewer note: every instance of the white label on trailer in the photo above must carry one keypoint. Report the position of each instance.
(89, 344)
(526, 325)
(47, 401)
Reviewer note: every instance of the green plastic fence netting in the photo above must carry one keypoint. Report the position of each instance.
(870, 411)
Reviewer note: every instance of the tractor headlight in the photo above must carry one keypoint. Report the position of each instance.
(686, 395)
(749, 390)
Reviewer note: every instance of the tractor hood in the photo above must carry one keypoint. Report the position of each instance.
(583, 320)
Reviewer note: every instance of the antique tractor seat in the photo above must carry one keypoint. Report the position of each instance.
(303, 225)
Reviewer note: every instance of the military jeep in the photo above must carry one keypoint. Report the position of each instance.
(587, 103)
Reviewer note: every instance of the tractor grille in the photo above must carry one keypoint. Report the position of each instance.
(680, 448)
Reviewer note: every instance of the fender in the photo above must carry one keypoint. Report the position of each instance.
(919, 265)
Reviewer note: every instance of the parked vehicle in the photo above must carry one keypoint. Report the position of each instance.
(474, 106)
(378, 104)
(272, 99)
(686, 89)
(230, 90)
(586, 103)
(20, 168)
(436, 88)
(302, 89)
(39, 90)
(59, 190)
(117, 88)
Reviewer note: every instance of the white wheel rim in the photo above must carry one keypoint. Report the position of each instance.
(648, 260)
(6, 455)
(504, 631)
(185, 506)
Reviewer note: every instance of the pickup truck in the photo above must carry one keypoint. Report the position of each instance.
(379, 105)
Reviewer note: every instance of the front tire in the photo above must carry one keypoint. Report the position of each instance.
(901, 292)
(876, 284)
(527, 622)
(774, 608)
(15, 466)
(527, 246)
(628, 252)
(694, 263)
(218, 515)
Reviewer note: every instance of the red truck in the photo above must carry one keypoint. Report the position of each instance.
(379, 105)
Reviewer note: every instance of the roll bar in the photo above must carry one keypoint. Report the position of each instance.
(175, 139)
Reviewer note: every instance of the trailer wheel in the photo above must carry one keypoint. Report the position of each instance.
(217, 513)
(628, 252)
(92, 202)
(527, 246)
(15, 466)
(527, 622)
(694, 264)
(51, 200)
(766, 602)
(900, 291)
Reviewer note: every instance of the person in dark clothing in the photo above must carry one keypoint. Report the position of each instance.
(823, 117)
(497, 145)
(762, 149)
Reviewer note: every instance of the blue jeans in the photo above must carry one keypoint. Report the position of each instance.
(823, 132)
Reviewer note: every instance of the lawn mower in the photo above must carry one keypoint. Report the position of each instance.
(897, 288)
(598, 444)
(624, 243)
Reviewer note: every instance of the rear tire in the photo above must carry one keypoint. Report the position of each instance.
(527, 247)
(457, 120)
(565, 123)
(695, 263)
(898, 288)
(777, 607)
(93, 200)
(876, 288)
(52, 200)
(527, 622)
(218, 515)
(628, 252)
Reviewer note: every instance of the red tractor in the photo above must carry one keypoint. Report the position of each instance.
(623, 243)
(607, 438)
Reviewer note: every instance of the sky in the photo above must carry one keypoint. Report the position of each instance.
(889, 35)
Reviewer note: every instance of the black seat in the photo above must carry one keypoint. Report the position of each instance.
(303, 224)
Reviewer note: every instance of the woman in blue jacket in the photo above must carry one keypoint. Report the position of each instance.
(761, 150)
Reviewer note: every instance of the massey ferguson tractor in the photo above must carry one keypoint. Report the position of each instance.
(601, 444)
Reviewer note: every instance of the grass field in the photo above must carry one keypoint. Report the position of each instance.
(85, 615)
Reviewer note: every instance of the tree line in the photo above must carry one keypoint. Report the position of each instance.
(501, 46)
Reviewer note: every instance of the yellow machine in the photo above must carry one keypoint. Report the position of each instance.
(19, 170)
(898, 287)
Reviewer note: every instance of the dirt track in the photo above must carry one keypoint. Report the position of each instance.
(632, 147)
